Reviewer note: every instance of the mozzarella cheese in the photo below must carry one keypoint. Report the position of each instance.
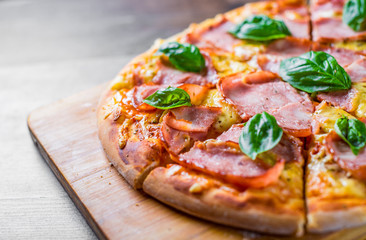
(228, 115)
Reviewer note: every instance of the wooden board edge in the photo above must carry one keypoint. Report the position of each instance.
(60, 177)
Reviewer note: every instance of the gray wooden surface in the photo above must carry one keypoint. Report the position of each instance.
(52, 49)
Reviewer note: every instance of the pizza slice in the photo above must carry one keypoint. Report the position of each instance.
(335, 20)
(214, 180)
(335, 186)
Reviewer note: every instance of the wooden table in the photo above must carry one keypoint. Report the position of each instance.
(52, 49)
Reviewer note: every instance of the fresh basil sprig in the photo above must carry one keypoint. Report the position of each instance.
(185, 57)
(354, 14)
(353, 132)
(260, 28)
(168, 98)
(261, 133)
(314, 72)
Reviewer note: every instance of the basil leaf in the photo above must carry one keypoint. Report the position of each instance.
(314, 72)
(261, 133)
(354, 14)
(260, 28)
(168, 98)
(184, 57)
(353, 132)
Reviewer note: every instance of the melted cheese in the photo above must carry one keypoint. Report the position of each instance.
(228, 115)
(145, 67)
(360, 111)
(327, 116)
(353, 45)
(228, 64)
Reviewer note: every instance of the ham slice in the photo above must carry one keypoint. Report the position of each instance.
(139, 93)
(343, 56)
(294, 13)
(289, 148)
(327, 22)
(294, 118)
(178, 141)
(281, 49)
(215, 36)
(191, 119)
(291, 109)
(357, 70)
(224, 160)
(297, 21)
(232, 134)
(332, 29)
(342, 154)
(346, 99)
(183, 125)
(170, 76)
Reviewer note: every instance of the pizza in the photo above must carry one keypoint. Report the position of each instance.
(253, 119)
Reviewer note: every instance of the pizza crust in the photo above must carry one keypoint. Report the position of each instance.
(135, 170)
(330, 215)
(218, 206)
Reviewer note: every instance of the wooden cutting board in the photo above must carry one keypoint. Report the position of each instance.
(66, 134)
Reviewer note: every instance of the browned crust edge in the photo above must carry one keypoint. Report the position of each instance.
(330, 215)
(248, 216)
(108, 135)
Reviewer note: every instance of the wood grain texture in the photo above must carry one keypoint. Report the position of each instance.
(66, 135)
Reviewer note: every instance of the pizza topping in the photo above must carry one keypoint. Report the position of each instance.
(291, 109)
(232, 134)
(354, 14)
(332, 29)
(314, 72)
(192, 119)
(281, 49)
(289, 148)
(346, 99)
(170, 76)
(353, 132)
(139, 93)
(261, 133)
(197, 93)
(327, 21)
(343, 56)
(178, 141)
(234, 167)
(165, 97)
(346, 159)
(295, 118)
(288, 47)
(297, 21)
(184, 124)
(325, 117)
(357, 70)
(184, 57)
(215, 36)
(260, 28)
(168, 98)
